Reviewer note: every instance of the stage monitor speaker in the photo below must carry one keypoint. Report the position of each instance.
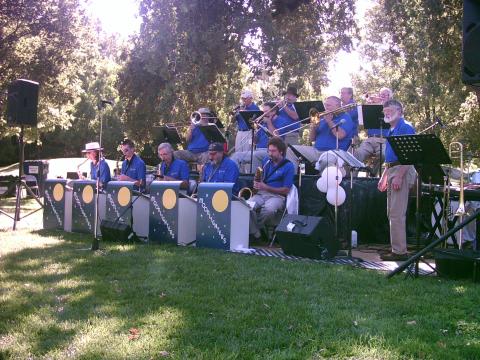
(117, 232)
(458, 264)
(22, 103)
(471, 42)
(307, 236)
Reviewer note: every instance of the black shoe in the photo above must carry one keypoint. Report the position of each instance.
(394, 257)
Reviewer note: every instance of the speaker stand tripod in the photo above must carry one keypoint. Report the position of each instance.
(21, 183)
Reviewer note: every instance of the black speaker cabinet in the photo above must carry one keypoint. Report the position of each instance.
(22, 103)
(471, 42)
(307, 236)
(117, 231)
(458, 264)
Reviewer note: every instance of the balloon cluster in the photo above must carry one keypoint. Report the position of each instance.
(329, 183)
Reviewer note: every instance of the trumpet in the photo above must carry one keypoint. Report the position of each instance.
(374, 98)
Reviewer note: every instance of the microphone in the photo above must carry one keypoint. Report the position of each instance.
(342, 121)
(439, 122)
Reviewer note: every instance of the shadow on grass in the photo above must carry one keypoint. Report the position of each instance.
(200, 303)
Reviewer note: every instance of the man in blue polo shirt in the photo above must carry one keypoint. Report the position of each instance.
(346, 95)
(397, 179)
(133, 167)
(220, 168)
(171, 169)
(261, 140)
(197, 143)
(324, 134)
(287, 124)
(98, 167)
(277, 179)
(243, 140)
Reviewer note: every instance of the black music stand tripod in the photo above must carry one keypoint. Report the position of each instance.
(426, 152)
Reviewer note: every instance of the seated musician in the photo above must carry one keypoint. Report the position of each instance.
(243, 137)
(324, 133)
(370, 147)
(133, 167)
(98, 166)
(277, 179)
(287, 121)
(171, 169)
(197, 143)
(261, 139)
(220, 168)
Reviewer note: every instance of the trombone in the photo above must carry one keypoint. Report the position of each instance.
(455, 151)
(313, 114)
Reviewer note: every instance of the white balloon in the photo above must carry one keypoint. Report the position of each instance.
(331, 173)
(322, 184)
(333, 195)
(340, 162)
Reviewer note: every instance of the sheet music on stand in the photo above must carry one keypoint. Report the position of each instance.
(168, 134)
(351, 160)
(303, 108)
(371, 117)
(249, 116)
(212, 133)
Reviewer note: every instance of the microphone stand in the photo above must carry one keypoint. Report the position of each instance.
(95, 241)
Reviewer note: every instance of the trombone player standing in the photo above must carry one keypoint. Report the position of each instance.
(197, 143)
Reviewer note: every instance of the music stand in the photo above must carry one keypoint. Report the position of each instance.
(425, 152)
(354, 164)
(167, 134)
(249, 117)
(303, 108)
(372, 118)
(212, 133)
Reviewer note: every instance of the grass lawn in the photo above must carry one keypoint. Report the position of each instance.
(152, 302)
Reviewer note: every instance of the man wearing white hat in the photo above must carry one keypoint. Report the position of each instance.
(98, 166)
(197, 143)
(243, 140)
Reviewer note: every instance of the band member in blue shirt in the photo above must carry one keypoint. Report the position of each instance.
(370, 147)
(277, 179)
(397, 180)
(220, 168)
(287, 121)
(171, 169)
(324, 134)
(98, 167)
(261, 139)
(346, 95)
(197, 143)
(133, 167)
(243, 140)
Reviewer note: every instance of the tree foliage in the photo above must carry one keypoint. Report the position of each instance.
(415, 48)
(191, 53)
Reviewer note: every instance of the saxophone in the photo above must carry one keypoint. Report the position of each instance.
(246, 193)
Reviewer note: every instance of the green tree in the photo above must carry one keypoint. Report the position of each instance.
(194, 53)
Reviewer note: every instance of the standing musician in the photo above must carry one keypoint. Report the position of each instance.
(268, 122)
(324, 133)
(346, 95)
(98, 166)
(288, 116)
(370, 147)
(277, 179)
(220, 168)
(243, 138)
(396, 180)
(197, 143)
(171, 169)
(133, 167)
